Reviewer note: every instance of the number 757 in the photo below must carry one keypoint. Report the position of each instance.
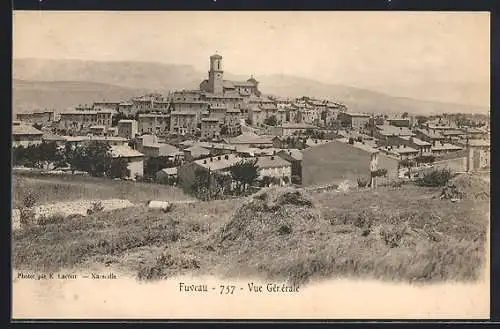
(227, 290)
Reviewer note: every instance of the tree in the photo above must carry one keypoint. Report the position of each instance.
(118, 168)
(421, 119)
(351, 140)
(408, 163)
(266, 181)
(405, 115)
(154, 164)
(94, 158)
(245, 173)
(47, 154)
(202, 184)
(271, 121)
(18, 155)
(223, 130)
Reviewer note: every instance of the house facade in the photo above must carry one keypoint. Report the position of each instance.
(128, 128)
(25, 135)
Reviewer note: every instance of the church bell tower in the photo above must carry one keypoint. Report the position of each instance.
(215, 75)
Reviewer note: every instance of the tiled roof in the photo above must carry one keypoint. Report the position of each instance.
(219, 162)
(272, 162)
(352, 114)
(164, 149)
(22, 129)
(51, 137)
(187, 143)
(315, 142)
(293, 153)
(388, 130)
(364, 147)
(451, 132)
(479, 142)
(197, 151)
(182, 113)
(124, 151)
(210, 120)
(85, 112)
(430, 133)
(416, 141)
(402, 150)
(297, 126)
(170, 171)
(250, 138)
(445, 146)
(219, 146)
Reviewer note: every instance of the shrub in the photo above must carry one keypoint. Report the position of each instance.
(351, 140)
(296, 180)
(393, 236)
(362, 182)
(397, 183)
(379, 172)
(30, 199)
(26, 216)
(285, 230)
(95, 207)
(51, 219)
(435, 178)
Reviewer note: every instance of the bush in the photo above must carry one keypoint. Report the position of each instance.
(30, 199)
(351, 140)
(51, 219)
(379, 172)
(26, 216)
(296, 180)
(393, 236)
(362, 181)
(435, 178)
(95, 207)
(397, 183)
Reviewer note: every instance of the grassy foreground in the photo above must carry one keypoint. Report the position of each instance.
(69, 188)
(391, 233)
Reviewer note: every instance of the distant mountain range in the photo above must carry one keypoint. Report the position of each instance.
(61, 84)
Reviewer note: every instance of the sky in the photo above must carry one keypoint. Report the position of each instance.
(400, 53)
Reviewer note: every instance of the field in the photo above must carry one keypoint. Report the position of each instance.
(69, 188)
(397, 234)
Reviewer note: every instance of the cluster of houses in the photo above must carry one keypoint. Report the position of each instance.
(223, 122)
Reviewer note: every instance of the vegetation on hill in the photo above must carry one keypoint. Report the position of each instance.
(389, 233)
(69, 188)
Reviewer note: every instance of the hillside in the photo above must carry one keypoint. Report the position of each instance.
(130, 78)
(60, 95)
(394, 234)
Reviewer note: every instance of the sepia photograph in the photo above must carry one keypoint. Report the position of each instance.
(250, 165)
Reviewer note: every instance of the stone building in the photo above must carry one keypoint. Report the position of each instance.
(210, 128)
(128, 128)
(153, 123)
(82, 120)
(41, 118)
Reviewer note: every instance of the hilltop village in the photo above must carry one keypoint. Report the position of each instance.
(171, 139)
